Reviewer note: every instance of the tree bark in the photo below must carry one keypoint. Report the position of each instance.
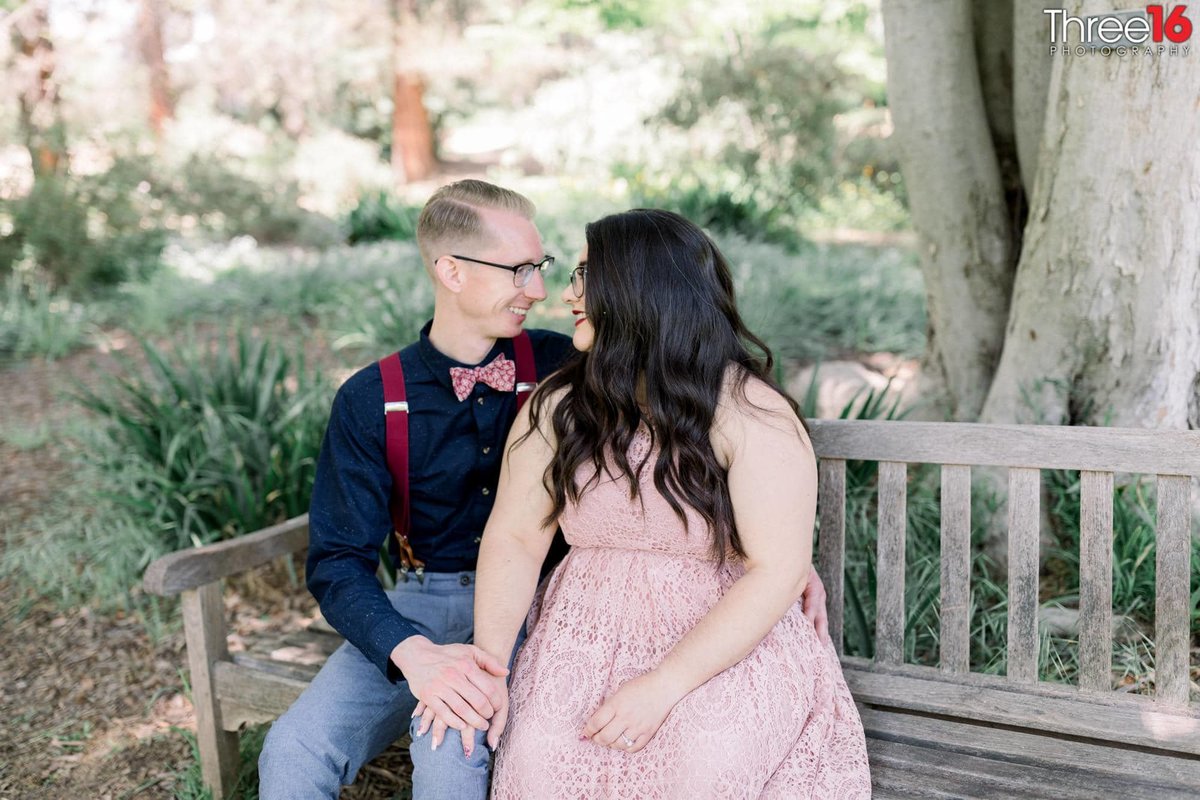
(412, 134)
(956, 195)
(39, 112)
(1104, 326)
(151, 49)
(1031, 82)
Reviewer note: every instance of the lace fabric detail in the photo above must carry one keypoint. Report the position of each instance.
(778, 724)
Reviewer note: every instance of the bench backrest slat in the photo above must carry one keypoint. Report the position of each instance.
(1095, 581)
(1172, 615)
(1041, 446)
(831, 547)
(1024, 519)
(889, 562)
(955, 641)
(1173, 457)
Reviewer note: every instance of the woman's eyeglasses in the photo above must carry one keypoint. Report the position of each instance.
(578, 277)
(522, 273)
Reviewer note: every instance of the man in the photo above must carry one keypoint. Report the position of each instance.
(484, 254)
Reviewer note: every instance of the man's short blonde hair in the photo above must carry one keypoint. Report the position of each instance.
(452, 214)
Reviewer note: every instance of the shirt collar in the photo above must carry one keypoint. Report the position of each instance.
(439, 363)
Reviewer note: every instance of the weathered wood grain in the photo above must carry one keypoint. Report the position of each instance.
(1123, 720)
(1167, 773)
(249, 696)
(1024, 500)
(924, 768)
(831, 546)
(299, 672)
(1095, 581)
(188, 569)
(1043, 446)
(1172, 609)
(889, 562)
(204, 630)
(955, 642)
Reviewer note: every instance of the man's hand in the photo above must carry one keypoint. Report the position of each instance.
(813, 601)
(456, 682)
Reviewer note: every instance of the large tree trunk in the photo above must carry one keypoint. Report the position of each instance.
(150, 47)
(38, 109)
(956, 195)
(1030, 82)
(412, 134)
(1104, 325)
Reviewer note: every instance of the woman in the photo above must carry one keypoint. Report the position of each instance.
(670, 657)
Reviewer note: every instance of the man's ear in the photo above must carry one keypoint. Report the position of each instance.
(450, 273)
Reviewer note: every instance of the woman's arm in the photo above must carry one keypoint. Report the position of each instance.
(515, 543)
(515, 540)
(773, 487)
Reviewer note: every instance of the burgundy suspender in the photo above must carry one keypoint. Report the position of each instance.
(395, 407)
(526, 369)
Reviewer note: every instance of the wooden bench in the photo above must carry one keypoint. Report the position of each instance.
(947, 732)
(933, 732)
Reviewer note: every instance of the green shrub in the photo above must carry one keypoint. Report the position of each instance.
(220, 196)
(383, 316)
(211, 441)
(377, 216)
(828, 301)
(85, 232)
(35, 320)
(732, 209)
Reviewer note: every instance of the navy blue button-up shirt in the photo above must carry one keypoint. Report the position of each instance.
(455, 449)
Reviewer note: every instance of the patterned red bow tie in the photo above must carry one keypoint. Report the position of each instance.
(501, 375)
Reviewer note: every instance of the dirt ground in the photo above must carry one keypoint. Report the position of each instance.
(90, 705)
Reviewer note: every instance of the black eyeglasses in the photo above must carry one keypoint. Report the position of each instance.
(578, 276)
(522, 273)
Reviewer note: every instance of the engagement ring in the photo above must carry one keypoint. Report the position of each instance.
(628, 742)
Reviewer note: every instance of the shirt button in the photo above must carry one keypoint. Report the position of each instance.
(480, 401)
(478, 539)
(465, 580)
(487, 491)
(487, 450)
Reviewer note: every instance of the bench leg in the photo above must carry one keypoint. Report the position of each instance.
(204, 627)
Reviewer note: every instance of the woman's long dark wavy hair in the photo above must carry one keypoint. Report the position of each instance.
(660, 298)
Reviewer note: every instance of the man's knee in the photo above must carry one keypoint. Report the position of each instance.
(447, 771)
(297, 754)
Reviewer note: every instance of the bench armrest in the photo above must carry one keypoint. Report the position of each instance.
(190, 569)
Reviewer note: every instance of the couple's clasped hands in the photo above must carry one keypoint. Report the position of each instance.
(462, 686)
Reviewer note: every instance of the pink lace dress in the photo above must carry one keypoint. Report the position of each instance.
(779, 724)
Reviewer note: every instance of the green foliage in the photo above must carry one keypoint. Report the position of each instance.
(828, 301)
(772, 104)
(386, 315)
(211, 441)
(732, 209)
(625, 14)
(220, 196)
(377, 216)
(36, 320)
(84, 231)
(239, 282)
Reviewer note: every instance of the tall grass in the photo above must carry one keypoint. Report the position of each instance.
(213, 440)
(37, 321)
(829, 301)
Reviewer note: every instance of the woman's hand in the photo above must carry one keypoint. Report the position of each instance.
(497, 694)
(628, 719)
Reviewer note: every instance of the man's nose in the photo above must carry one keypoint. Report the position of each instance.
(536, 288)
